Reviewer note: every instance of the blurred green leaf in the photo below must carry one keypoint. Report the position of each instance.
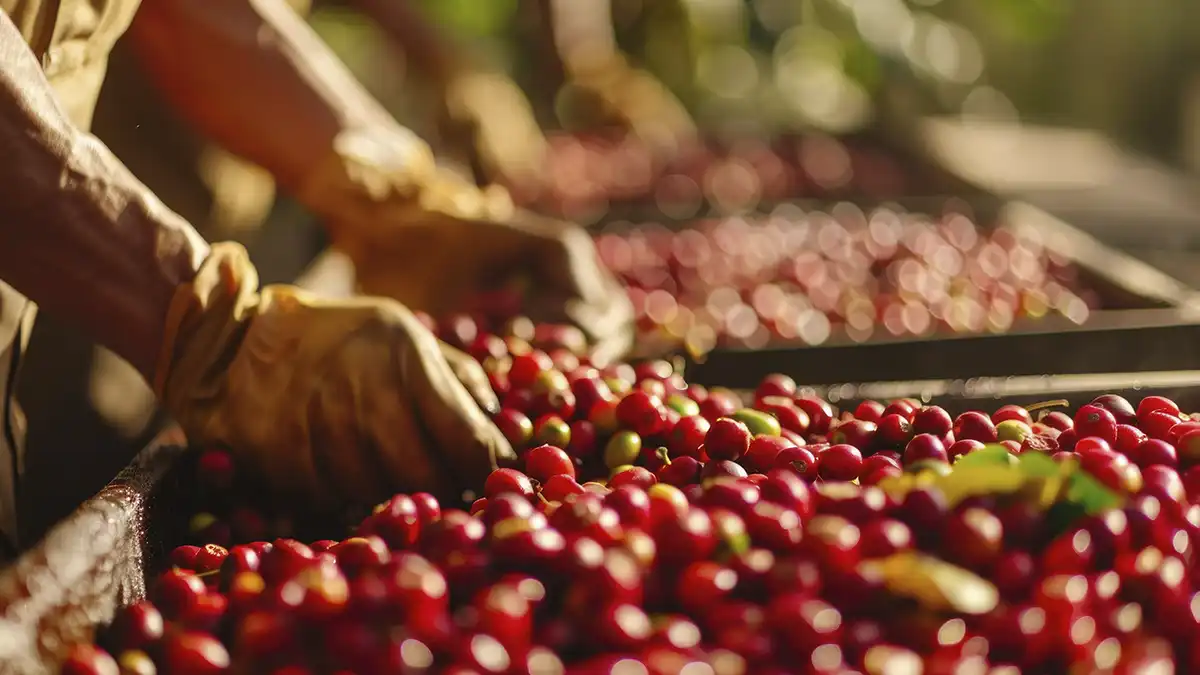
(472, 17)
(1090, 494)
(1062, 515)
(1036, 464)
(1026, 20)
(934, 583)
(979, 479)
(1084, 495)
(992, 454)
(862, 64)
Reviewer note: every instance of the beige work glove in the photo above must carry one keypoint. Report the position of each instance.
(487, 116)
(329, 399)
(436, 248)
(614, 90)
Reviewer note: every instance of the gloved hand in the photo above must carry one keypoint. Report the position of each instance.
(489, 116)
(332, 400)
(435, 249)
(636, 100)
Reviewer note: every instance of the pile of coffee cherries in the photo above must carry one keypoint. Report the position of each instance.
(583, 176)
(654, 526)
(806, 277)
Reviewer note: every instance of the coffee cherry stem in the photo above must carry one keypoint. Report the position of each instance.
(679, 365)
(1056, 403)
(663, 456)
(697, 352)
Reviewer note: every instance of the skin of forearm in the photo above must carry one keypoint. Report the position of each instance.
(583, 32)
(253, 77)
(79, 235)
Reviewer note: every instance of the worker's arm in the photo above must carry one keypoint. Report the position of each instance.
(252, 76)
(79, 235)
(611, 89)
(483, 116)
(265, 374)
(255, 78)
(582, 31)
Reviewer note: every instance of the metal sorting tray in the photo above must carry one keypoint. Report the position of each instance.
(87, 566)
(97, 559)
(1148, 323)
(1137, 341)
(989, 393)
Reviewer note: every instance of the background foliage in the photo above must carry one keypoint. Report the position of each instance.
(1125, 68)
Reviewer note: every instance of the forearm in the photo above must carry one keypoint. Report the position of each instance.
(583, 33)
(252, 76)
(79, 235)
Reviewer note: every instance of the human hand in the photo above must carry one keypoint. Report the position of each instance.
(439, 253)
(637, 101)
(487, 116)
(328, 399)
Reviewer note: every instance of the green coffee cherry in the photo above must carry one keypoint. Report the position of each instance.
(758, 422)
(1013, 430)
(683, 405)
(623, 448)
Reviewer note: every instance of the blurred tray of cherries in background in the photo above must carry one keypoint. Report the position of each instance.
(940, 288)
(841, 260)
(595, 179)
